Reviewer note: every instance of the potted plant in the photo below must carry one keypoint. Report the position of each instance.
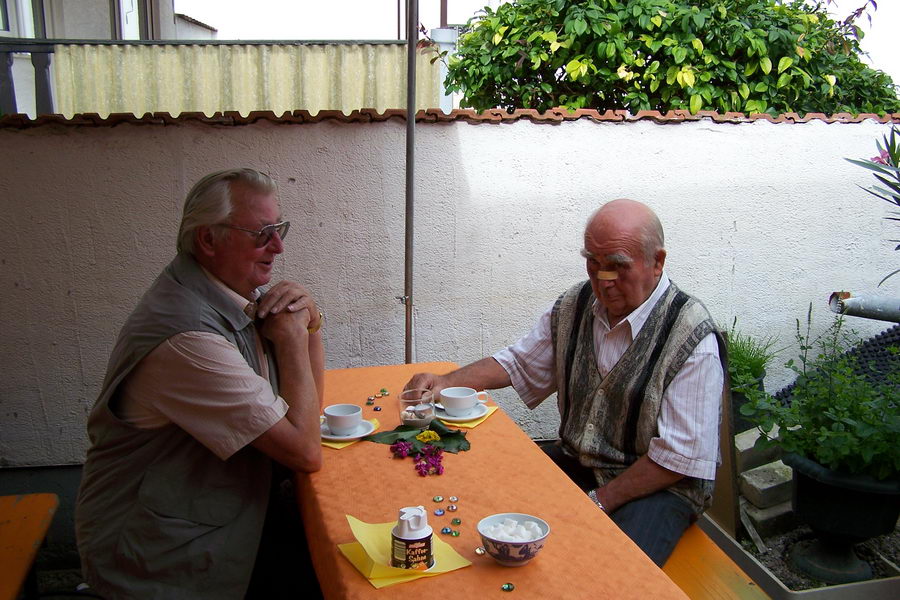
(748, 358)
(839, 426)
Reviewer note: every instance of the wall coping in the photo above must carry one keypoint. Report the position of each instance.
(554, 116)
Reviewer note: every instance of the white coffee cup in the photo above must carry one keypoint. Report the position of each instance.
(459, 401)
(343, 419)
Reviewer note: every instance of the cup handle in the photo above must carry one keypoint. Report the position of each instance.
(482, 397)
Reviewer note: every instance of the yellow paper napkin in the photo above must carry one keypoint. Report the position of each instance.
(474, 422)
(339, 445)
(371, 555)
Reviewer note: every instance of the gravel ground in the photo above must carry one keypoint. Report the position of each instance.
(777, 559)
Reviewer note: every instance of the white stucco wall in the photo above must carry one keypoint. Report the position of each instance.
(761, 219)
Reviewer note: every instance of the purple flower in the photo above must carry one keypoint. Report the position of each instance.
(429, 461)
(401, 449)
(882, 159)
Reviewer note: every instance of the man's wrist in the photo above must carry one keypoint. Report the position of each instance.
(593, 496)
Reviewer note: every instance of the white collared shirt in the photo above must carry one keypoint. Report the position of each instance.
(688, 422)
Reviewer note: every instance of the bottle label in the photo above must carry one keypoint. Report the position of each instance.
(411, 554)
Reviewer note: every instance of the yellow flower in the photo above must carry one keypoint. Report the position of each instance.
(428, 436)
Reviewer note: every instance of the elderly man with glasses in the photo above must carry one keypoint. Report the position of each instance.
(209, 385)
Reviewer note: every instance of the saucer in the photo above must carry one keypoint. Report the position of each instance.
(364, 429)
(440, 406)
(476, 413)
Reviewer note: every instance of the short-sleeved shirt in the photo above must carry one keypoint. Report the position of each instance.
(200, 382)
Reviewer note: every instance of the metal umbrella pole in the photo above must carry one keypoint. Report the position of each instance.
(412, 36)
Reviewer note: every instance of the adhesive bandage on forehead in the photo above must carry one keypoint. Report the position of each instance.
(613, 260)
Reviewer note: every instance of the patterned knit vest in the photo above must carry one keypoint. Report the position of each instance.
(608, 422)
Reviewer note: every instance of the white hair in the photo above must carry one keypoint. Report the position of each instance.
(210, 202)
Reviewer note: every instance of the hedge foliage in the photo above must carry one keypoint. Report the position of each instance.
(727, 55)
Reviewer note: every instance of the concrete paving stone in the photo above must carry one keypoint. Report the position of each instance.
(772, 520)
(767, 485)
(747, 456)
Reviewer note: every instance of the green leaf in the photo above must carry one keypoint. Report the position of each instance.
(744, 90)
(765, 64)
(760, 87)
(696, 103)
(784, 63)
(697, 44)
(672, 74)
(573, 68)
(580, 26)
(783, 80)
(750, 68)
(657, 20)
(452, 440)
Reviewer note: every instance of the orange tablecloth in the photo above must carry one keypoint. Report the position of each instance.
(586, 556)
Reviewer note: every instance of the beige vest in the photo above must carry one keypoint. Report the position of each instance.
(159, 515)
(608, 422)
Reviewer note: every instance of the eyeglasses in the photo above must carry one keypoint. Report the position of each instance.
(264, 235)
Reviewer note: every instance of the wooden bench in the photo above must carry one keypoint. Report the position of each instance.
(698, 566)
(702, 570)
(24, 520)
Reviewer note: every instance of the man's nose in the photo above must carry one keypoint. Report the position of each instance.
(276, 244)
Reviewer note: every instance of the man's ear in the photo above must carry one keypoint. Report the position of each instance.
(659, 261)
(204, 242)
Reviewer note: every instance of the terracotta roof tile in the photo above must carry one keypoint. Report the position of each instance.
(553, 116)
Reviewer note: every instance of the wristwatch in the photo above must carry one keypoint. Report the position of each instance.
(319, 324)
(593, 496)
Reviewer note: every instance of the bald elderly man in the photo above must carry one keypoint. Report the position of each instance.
(638, 372)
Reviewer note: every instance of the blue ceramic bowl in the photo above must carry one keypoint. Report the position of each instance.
(512, 554)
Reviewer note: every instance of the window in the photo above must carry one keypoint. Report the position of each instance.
(4, 16)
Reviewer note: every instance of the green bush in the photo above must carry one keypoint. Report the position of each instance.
(729, 55)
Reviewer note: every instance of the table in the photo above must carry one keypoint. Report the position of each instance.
(585, 556)
(24, 520)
